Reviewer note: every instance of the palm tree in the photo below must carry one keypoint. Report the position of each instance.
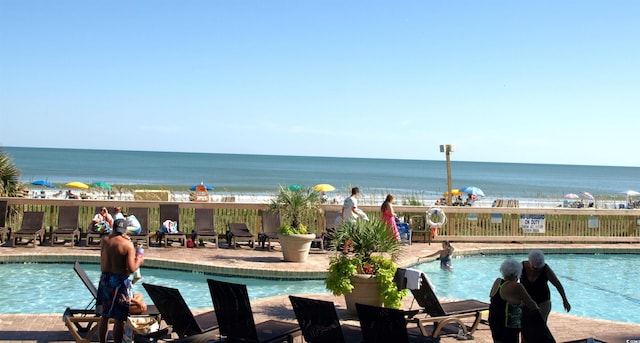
(293, 203)
(9, 175)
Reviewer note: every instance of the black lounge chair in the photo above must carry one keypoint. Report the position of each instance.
(92, 235)
(270, 225)
(31, 229)
(142, 214)
(233, 310)
(67, 227)
(204, 229)
(320, 324)
(442, 314)
(381, 325)
(239, 232)
(171, 212)
(4, 230)
(176, 313)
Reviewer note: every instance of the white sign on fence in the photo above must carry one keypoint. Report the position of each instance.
(532, 223)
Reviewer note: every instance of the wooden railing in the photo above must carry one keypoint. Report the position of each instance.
(463, 223)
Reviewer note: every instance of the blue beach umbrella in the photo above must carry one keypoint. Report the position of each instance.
(472, 190)
(207, 186)
(43, 183)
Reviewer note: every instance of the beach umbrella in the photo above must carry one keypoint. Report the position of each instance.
(206, 186)
(78, 185)
(631, 193)
(454, 192)
(324, 187)
(43, 183)
(472, 190)
(295, 187)
(587, 195)
(101, 184)
(571, 196)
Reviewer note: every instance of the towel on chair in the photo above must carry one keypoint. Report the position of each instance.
(413, 278)
(410, 279)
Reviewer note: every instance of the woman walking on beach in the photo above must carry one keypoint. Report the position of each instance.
(389, 216)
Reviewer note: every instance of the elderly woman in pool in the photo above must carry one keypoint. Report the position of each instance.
(507, 297)
(535, 279)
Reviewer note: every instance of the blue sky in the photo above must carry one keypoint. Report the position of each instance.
(505, 81)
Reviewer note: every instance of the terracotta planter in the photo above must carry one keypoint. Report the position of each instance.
(365, 291)
(295, 248)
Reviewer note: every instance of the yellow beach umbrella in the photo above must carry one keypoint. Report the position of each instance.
(454, 192)
(323, 187)
(78, 185)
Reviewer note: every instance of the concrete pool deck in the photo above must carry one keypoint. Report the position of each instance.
(245, 261)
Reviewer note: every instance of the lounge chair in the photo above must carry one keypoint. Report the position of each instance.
(239, 232)
(270, 225)
(379, 324)
(83, 323)
(204, 229)
(442, 314)
(233, 310)
(142, 214)
(176, 313)
(4, 230)
(172, 212)
(320, 324)
(91, 234)
(331, 224)
(31, 228)
(67, 227)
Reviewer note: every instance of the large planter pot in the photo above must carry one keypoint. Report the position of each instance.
(295, 248)
(365, 291)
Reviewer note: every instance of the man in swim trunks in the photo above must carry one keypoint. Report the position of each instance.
(118, 259)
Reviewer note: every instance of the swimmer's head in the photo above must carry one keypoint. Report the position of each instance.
(511, 269)
(536, 258)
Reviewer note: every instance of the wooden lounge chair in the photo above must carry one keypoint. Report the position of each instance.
(239, 232)
(67, 227)
(172, 212)
(204, 229)
(4, 230)
(381, 325)
(442, 314)
(235, 317)
(270, 225)
(31, 229)
(319, 322)
(176, 313)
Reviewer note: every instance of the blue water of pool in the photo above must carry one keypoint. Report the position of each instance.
(598, 286)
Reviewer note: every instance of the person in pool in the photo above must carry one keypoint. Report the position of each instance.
(445, 255)
(536, 275)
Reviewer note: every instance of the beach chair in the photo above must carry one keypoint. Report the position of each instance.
(381, 325)
(239, 232)
(331, 224)
(319, 322)
(92, 235)
(4, 229)
(176, 313)
(443, 314)
(31, 228)
(67, 227)
(142, 214)
(172, 212)
(235, 317)
(204, 229)
(418, 228)
(270, 225)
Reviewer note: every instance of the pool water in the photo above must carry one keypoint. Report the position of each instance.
(601, 286)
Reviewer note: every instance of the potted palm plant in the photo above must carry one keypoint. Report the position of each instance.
(293, 204)
(365, 275)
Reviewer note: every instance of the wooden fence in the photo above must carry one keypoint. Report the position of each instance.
(463, 223)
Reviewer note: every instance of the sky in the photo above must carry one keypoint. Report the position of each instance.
(504, 81)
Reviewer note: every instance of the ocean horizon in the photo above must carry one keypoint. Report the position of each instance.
(264, 174)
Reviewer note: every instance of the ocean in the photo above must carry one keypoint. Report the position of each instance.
(263, 174)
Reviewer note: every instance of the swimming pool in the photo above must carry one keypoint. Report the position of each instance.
(598, 286)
